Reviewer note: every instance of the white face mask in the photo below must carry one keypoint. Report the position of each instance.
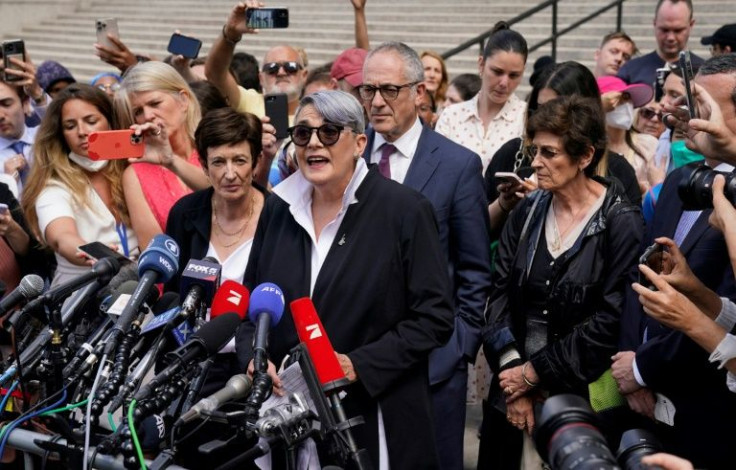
(87, 164)
(622, 117)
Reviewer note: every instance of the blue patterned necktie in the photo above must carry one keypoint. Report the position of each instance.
(687, 220)
(18, 148)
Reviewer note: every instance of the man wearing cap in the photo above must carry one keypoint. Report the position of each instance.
(620, 100)
(673, 21)
(723, 41)
(346, 73)
(53, 77)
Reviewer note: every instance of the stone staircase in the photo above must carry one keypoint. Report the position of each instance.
(63, 30)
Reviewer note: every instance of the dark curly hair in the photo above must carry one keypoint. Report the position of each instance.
(580, 124)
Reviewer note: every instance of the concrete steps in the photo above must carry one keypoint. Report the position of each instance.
(63, 30)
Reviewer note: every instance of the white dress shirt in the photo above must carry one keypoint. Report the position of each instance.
(297, 192)
(406, 147)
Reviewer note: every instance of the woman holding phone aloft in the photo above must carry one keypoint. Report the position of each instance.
(70, 200)
(156, 101)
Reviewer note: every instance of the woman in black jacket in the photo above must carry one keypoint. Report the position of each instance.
(560, 272)
(565, 79)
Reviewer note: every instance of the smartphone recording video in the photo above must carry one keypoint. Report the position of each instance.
(653, 257)
(686, 66)
(184, 45)
(267, 18)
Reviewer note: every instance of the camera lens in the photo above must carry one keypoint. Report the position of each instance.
(696, 188)
(635, 444)
(567, 437)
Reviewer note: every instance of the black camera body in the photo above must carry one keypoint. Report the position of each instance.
(567, 439)
(696, 187)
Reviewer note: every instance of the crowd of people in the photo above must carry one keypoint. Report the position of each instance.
(460, 242)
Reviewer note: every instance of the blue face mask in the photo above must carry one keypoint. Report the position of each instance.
(682, 155)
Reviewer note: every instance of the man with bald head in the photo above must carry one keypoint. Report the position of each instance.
(282, 71)
(673, 22)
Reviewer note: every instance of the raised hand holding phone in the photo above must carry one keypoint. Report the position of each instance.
(157, 147)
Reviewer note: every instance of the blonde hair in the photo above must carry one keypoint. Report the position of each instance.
(51, 158)
(439, 94)
(155, 76)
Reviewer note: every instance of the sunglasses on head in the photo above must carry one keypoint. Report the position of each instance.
(648, 113)
(546, 152)
(112, 87)
(272, 68)
(327, 133)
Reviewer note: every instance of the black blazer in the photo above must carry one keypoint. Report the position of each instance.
(383, 297)
(190, 225)
(670, 362)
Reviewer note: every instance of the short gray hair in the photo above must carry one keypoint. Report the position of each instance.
(337, 107)
(413, 67)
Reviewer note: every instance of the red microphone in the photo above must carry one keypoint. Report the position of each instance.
(230, 297)
(313, 335)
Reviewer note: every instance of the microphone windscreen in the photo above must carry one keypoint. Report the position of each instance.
(161, 256)
(313, 335)
(128, 272)
(215, 334)
(167, 301)
(230, 297)
(266, 298)
(31, 286)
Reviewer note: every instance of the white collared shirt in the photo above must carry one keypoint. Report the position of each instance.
(462, 124)
(406, 147)
(297, 192)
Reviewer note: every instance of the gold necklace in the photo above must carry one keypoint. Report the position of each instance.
(238, 233)
(561, 235)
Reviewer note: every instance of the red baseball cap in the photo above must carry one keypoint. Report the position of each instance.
(349, 65)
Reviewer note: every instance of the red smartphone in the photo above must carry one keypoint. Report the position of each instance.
(111, 145)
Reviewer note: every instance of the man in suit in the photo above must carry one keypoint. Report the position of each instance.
(449, 175)
(656, 359)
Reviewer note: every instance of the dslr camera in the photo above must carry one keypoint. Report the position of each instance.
(567, 438)
(696, 187)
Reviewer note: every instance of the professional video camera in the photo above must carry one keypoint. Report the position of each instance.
(696, 187)
(567, 439)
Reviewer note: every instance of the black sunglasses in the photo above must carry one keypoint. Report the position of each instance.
(546, 152)
(272, 68)
(388, 92)
(648, 113)
(327, 133)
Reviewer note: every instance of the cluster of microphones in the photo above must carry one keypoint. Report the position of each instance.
(115, 370)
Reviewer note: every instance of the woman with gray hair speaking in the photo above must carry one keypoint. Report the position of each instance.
(367, 251)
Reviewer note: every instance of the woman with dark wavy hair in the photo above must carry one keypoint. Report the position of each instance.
(561, 270)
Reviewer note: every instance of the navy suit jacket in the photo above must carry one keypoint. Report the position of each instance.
(670, 362)
(450, 176)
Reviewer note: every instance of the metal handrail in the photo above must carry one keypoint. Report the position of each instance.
(481, 38)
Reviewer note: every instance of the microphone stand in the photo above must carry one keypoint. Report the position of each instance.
(290, 426)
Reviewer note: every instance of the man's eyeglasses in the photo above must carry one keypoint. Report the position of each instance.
(112, 87)
(546, 152)
(272, 68)
(388, 92)
(648, 113)
(327, 133)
